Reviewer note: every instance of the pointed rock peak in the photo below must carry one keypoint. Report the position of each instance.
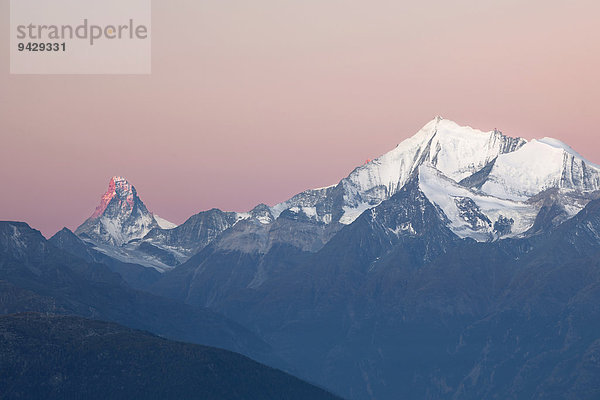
(119, 188)
(260, 208)
(262, 213)
(64, 232)
(431, 126)
(437, 120)
(120, 217)
(63, 236)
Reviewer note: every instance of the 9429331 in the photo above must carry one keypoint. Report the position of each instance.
(34, 46)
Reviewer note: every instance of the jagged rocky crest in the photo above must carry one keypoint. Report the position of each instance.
(485, 185)
(120, 217)
(461, 264)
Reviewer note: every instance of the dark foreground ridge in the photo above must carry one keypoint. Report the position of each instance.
(65, 357)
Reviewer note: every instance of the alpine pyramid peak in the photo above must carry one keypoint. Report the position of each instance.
(120, 188)
(120, 217)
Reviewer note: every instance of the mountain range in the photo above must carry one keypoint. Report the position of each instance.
(461, 264)
(488, 186)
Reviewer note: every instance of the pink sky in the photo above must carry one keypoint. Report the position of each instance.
(252, 102)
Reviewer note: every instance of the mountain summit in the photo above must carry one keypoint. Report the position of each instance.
(120, 217)
(476, 178)
(486, 185)
(456, 151)
(121, 189)
(460, 264)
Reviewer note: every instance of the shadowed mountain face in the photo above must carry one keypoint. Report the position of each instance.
(397, 306)
(135, 275)
(37, 276)
(59, 357)
(461, 264)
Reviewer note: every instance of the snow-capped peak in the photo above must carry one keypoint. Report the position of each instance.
(120, 188)
(456, 151)
(490, 166)
(487, 184)
(120, 217)
(539, 165)
(562, 145)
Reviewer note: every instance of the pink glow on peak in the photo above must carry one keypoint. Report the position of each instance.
(125, 192)
(253, 102)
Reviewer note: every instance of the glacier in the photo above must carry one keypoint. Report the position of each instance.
(486, 185)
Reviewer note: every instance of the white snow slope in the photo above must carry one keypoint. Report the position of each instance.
(163, 223)
(442, 154)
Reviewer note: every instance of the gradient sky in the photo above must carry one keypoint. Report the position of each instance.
(254, 101)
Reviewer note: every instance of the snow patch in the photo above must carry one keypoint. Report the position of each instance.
(488, 216)
(351, 213)
(163, 223)
(537, 166)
